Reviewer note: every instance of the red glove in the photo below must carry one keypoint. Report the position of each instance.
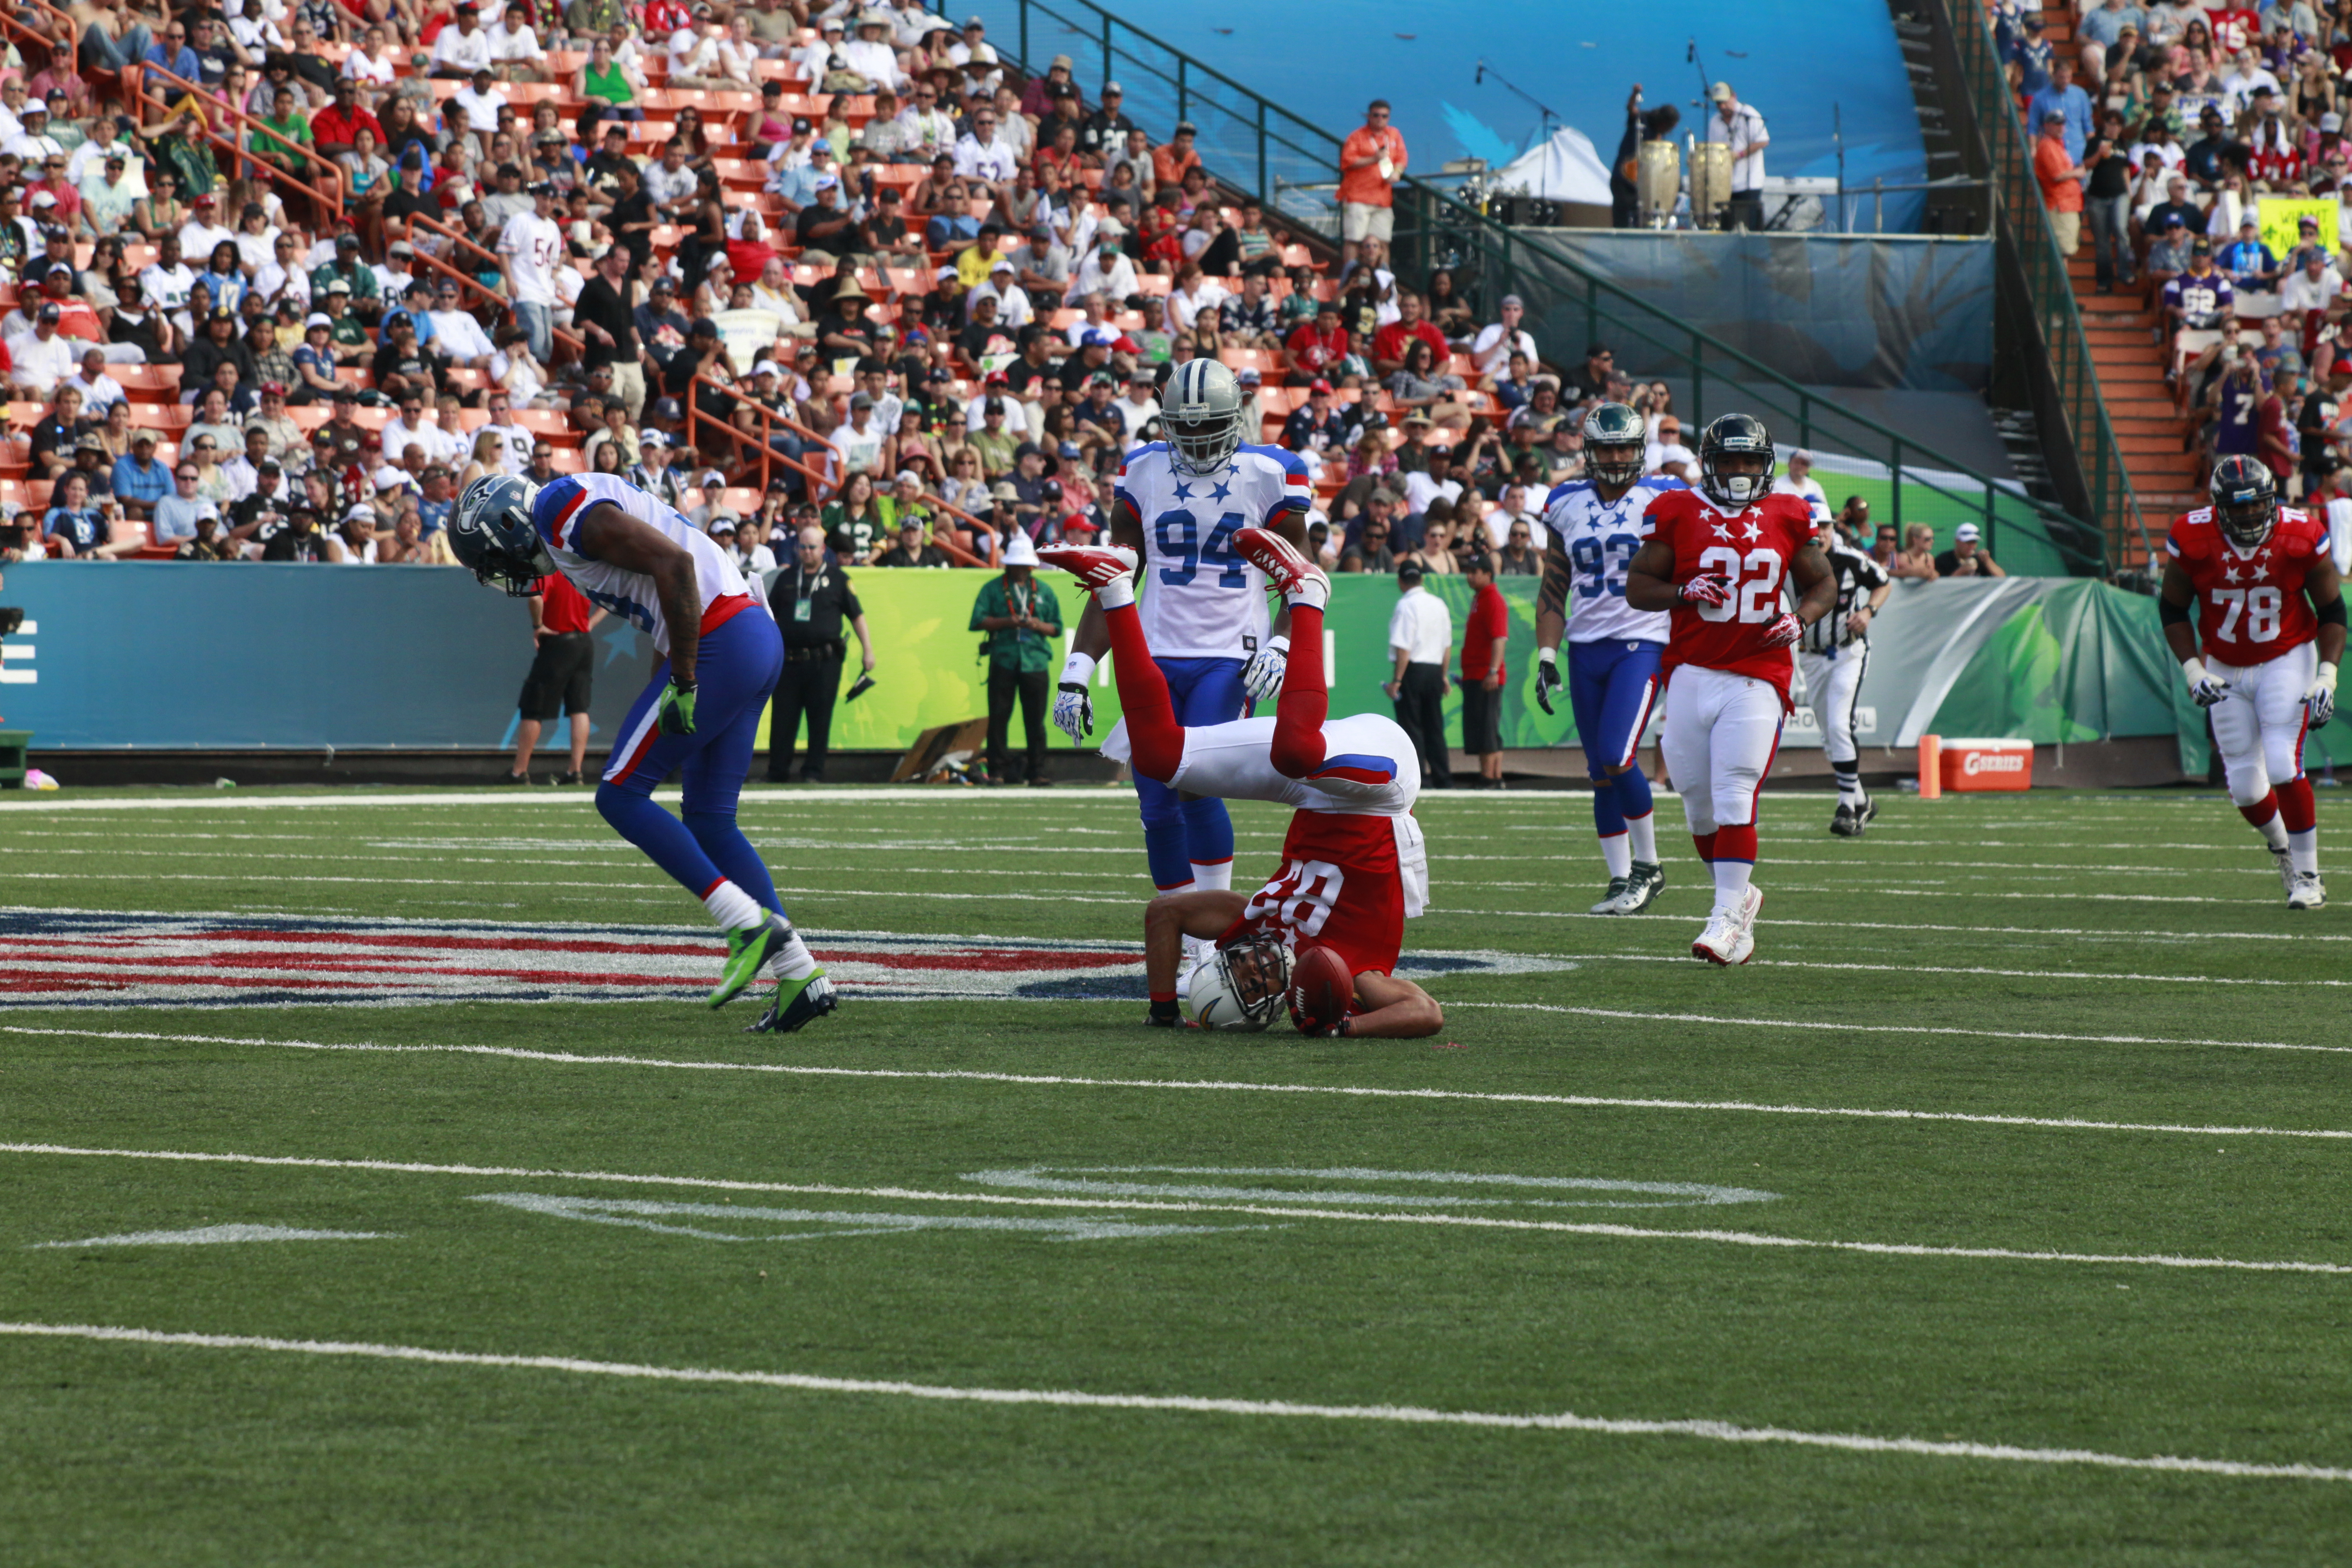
(1709, 588)
(1784, 632)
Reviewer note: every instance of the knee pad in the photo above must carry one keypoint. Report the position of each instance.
(2250, 780)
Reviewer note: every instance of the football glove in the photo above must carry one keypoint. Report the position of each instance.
(2319, 702)
(1784, 632)
(1708, 588)
(1074, 710)
(677, 710)
(1261, 675)
(2205, 688)
(1547, 677)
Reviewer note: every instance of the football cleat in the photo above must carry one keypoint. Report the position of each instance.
(1294, 576)
(1842, 824)
(748, 951)
(1608, 904)
(1730, 939)
(1863, 815)
(2285, 865)
(1641, 888)
(1096, 566)
(2308, 892)
(796, 1004)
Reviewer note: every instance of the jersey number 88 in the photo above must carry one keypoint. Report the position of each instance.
(1755, 581)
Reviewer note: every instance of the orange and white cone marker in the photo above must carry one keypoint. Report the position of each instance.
(1931, 767)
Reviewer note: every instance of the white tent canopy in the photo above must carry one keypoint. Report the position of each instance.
(1563, 169)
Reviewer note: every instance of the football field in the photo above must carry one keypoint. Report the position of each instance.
(379, 1191)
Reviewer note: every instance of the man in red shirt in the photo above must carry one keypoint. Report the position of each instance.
(560, 620)
(2062, 183)
(1484, 635)
(1413, 321)
(1315, 349)
(335, 127)
(1719, 557)
(1371, 159)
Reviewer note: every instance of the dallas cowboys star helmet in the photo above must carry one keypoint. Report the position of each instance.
(490, 532)
(1736, 435)
(2245, 501)
(1202, 412)
(1242, 984)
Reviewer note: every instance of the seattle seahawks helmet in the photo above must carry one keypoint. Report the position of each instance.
(2245, 501)
(490, 532)
(1241, 985)
(1616, 439)
(1736, 436)
(1201, 410)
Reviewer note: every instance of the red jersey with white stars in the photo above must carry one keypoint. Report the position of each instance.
(1751, 549)
(1340, 886)
(2251, 603)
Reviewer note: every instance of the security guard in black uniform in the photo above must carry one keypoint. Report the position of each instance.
(811, 598)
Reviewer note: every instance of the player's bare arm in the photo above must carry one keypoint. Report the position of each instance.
(2325, 587)
(1810, 567)
(2175, 595)
(1206, 913)
(1650, 577)
(1388, 1008)
(609, 534)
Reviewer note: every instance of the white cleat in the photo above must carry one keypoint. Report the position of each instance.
(1730, 939)
(2285, 872)
(1610, 900)
(2306, 891)
(1186, 963)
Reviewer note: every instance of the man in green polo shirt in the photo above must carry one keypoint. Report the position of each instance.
(1023, 622)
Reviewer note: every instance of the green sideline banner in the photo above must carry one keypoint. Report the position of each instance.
(313, 657)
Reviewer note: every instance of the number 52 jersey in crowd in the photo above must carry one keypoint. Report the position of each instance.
(2251, 606)
(633, 596)
(1751, 549)
(1597, 540)
(1199, 599)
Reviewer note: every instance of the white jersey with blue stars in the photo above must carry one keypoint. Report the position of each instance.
(1199, 599)
(1597, 539)
(633, 596)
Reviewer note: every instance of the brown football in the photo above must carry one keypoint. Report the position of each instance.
(1320, 990)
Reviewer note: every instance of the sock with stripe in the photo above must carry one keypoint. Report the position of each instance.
(2264, 815)
(1705, 842)
(1636, 805)
(2299, 813)
(1849, 781)
(1734, 863)
(732, 907)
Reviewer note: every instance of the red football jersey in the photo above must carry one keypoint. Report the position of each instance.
(1339, 887)
(1751, 549)
(2233, 28)
(2250, 605)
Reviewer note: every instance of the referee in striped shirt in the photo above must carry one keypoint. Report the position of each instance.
(1833, 655)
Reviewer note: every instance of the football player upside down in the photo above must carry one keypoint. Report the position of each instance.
(1354, 868)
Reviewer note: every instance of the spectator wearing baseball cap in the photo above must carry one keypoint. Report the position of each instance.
(2060, 179)
(1967, 557)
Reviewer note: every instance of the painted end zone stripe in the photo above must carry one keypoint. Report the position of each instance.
(1406, 1415)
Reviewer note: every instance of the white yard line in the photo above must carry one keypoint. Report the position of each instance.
(1816, 1026)
(1842, 924)
(1055, 1081)
(363, 800)
(1683, 958)
(1284, 1211)
(1402, 1414)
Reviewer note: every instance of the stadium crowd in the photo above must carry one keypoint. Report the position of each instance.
(282, 281)
(2163, 130)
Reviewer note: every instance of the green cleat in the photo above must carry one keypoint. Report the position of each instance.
(797, 1003)
(747, 949)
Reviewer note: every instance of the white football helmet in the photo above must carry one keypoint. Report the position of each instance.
(1240, 986)
(1201, 410)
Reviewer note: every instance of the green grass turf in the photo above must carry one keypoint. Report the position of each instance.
(1994, 919)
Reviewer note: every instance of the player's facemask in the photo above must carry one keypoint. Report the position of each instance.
(1243, 985)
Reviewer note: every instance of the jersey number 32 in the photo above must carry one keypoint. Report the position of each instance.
(1755, 580)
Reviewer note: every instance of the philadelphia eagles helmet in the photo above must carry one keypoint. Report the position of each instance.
(1616, 440)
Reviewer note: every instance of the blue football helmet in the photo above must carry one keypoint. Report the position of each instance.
(490, 532)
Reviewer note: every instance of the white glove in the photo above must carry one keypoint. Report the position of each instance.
(1708, 588)
(1074, 710)
(2319, 700)
(1784, 632)
(2205, 688)
(1261, 675)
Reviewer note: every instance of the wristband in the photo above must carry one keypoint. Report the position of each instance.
(1077, 669)
(2328, 674)
(1547, 655)
(1278, 643)
(2193, 669)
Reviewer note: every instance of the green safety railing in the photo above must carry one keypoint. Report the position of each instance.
(1291, 165)
(2017, 202)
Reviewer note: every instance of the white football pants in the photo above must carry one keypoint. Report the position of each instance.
(1722, 731)
(2259, 726)
(1832, 687)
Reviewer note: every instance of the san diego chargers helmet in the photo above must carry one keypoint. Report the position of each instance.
(1242, 985)
(1616, 439)
(490, 532)
(1736, 436)
(1200, 411)
(2245, 501)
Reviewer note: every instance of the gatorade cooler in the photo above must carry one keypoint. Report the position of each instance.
(1980, 765)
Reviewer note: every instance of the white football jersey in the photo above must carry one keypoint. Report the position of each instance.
(1597, 539)
(1199, 598)
(632, 595)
